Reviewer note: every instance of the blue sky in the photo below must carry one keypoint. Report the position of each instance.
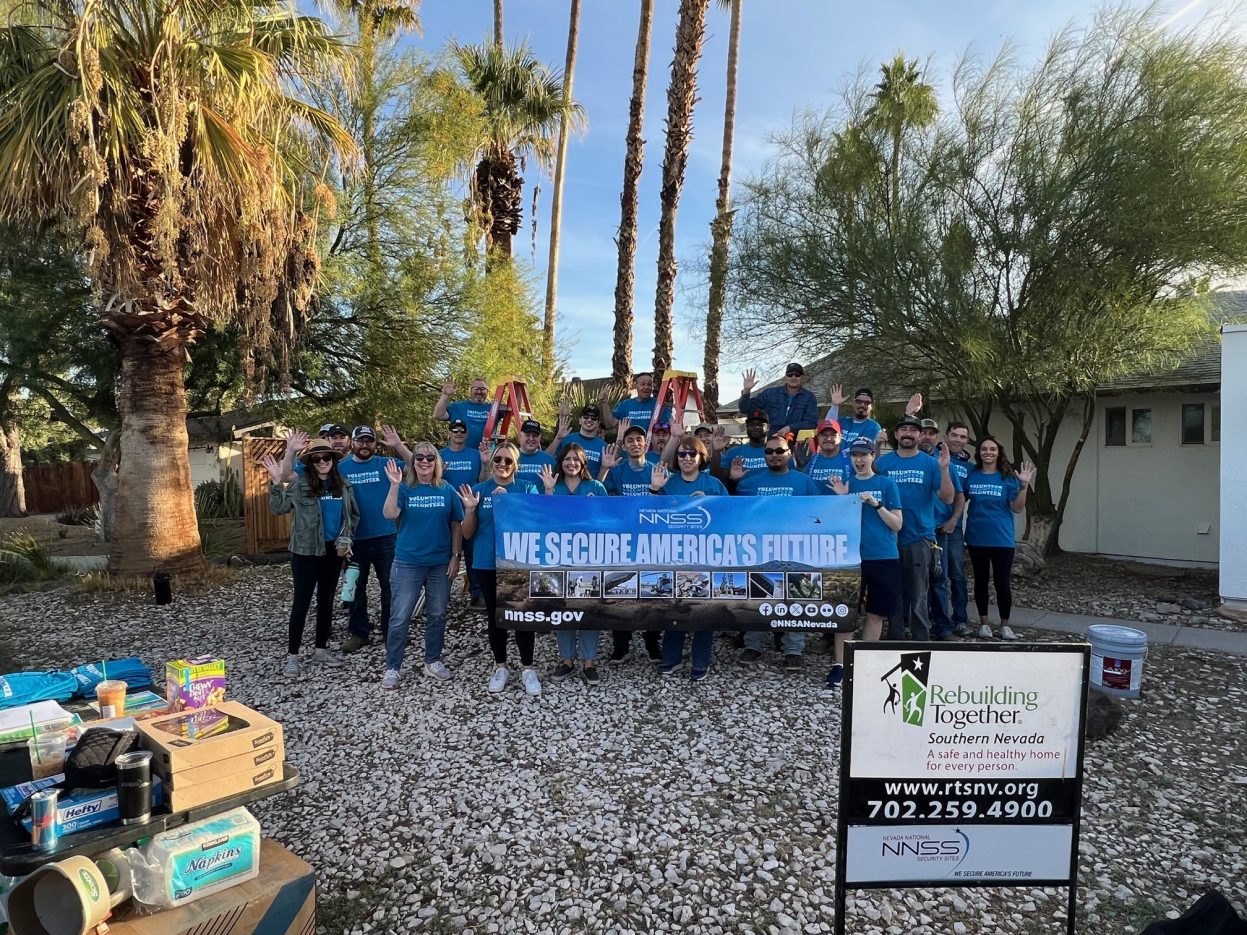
(795, 54)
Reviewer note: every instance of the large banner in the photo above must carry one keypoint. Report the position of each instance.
(685, 563)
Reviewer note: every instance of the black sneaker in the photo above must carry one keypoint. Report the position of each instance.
(655, 654)
(562, 671)
(620, 655)
(670, 668)
(590, 675)
(478, 603)
(750, 655)
(698, 675)
(943, 637)
(831, 688)
(792, 663)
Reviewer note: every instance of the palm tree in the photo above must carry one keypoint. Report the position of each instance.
(625, 277)
(523, 105)
(170, 136)
(498, 23)
(556, 206)
(901, 100)
(690, 33)
(721, 226)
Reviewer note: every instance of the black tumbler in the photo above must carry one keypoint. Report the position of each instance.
(134, 787)
(162, 584)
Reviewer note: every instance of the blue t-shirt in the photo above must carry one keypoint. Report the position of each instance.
(851, 428)
(461, 467)
(331, 515)
(624, 480)
(483, 548)
(958, 470)
(704, 482)
(878, 541)
(822, 468)
(371, 488)
(989, 518)
(766, 483)
(530, 465)
(754, 457)
(593, 450)
(586, 488)
(918, 478)
(425, 513)
(640, 411)
(474, 415)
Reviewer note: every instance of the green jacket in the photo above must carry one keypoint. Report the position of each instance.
(307, 535)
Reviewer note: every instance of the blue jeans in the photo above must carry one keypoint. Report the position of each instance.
(673, 648)
(377, 553)
(407, 580)
(570, 640)
(793, 641)
(954, 558)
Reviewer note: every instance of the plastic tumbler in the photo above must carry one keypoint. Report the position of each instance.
(112, 697)
(47, 753)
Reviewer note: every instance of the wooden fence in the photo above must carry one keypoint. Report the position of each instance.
(59, 486)
(265, 532)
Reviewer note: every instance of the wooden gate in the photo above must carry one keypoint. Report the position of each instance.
(265, 532)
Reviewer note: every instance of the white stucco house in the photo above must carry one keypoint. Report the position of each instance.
(1233, 521)
(215, 443)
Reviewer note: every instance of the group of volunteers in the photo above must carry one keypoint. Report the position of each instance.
(413, 519)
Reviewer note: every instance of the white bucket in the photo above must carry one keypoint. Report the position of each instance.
(1117, 655)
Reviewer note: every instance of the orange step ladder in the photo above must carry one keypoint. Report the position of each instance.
(680, 385)
(510, 399)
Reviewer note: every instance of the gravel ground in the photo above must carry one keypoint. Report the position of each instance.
(648, 804)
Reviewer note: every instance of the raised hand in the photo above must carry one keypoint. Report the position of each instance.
(296, 441)
(448, 388)
(483, 448)
(914, 406)
(392, 472)
(867, 497)
(945, 457)
(750, 379)
(548, 479)
(1026, 473)
(658, 476)
(565, 425)
(565, 409)
(605, 392)
(718, 439)
(620, 427)
(390, 436)
(838, 398)
(273, 466)
(839, 486)
(737, 470)
(610, 456)
(468, 497)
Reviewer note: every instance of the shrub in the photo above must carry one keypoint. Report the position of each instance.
(79, 516)
(219, 499)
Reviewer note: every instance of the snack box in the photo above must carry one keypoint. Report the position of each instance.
(190, 739)
(77, 810)
(249, 762)
(182, 799)
(196, 683)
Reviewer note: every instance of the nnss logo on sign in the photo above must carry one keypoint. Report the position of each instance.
(697, 519)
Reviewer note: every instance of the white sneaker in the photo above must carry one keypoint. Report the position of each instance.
(532, 683)
(323, 657)
(498, 681)
(292, 667)
(391, 679)
(1006, 633)
(437, 669)
(985, 632)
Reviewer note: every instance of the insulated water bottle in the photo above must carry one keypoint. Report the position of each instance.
(349, 576)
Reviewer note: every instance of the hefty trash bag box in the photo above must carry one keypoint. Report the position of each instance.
(196, 683)
(280, 901)
(196, 738)
(77, 810)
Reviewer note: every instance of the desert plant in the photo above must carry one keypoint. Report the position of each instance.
(78, 516)
(219, 499)
(24, 560)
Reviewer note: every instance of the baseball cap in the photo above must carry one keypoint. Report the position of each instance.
(758, 415)
(591, 411)
(458, 424)
(827, 424)
(929, 424)
(864, 391)
(909, 421)
(794, 368)
(331, 428)
(662, 426)
(862, 446)
(704, 427)
(364, 431)
(634, 430)
(531, 425)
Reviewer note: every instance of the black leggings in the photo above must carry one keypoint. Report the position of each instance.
(994, 562)
(653, 641)
(524, 639)
(313, 574)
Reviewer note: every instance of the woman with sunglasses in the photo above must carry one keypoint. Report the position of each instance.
(573, 479)
(686, 478)
(478, 524)
(325, 515)
(426, 556)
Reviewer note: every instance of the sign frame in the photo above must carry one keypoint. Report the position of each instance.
(846, 777)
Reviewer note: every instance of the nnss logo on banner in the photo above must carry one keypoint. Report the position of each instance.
(698, 518)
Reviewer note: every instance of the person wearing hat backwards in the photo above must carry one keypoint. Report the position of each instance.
(922, 480)
(325, 517)
(374, 536)
(790, 408)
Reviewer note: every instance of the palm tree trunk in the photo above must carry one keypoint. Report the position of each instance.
(721, 229)
(498, 23)
(556, 206)
(12, 484)
(625, 277)
(681, 95)
(155, 528)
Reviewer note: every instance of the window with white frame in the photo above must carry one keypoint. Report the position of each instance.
(1201, 423)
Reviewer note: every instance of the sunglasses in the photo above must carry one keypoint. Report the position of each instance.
(458, 431)
(424, 457)
(794, 373)
(504, 460)
(776, 451)
(687, 454)
(321, 459)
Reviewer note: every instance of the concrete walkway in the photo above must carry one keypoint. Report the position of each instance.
(1158, 634)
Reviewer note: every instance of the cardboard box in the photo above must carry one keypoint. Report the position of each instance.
(280, 901)
(243, 763)
(182, 799)
(196, 683)
(77, 810)
(197, 738)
